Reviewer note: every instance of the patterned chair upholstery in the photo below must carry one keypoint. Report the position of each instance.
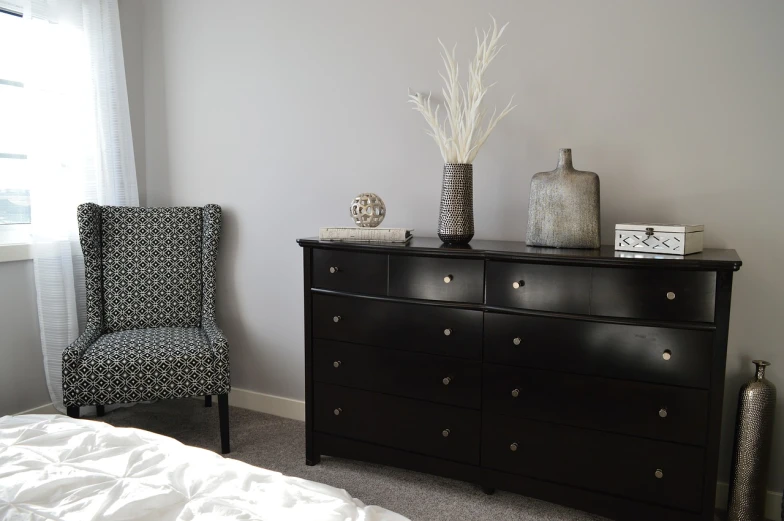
(151, 331)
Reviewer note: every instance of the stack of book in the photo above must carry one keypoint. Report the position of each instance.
(354, 234)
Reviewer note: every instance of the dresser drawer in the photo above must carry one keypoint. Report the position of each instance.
(423, 427)
(678, 296)
(349, 271)
(598, 461)
(565, 289)
(449, 380)
(435, 278)
(649, 354)
(640, 409)
(410, 327)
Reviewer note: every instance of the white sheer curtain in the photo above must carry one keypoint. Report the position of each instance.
(80, 150)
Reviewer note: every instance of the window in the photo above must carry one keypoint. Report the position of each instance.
(15, 183)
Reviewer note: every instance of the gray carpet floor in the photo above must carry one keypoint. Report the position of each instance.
(279, 444)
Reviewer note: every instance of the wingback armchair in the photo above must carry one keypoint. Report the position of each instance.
(151, 331)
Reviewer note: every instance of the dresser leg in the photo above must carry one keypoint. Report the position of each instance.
(312, 460)
(488, 490)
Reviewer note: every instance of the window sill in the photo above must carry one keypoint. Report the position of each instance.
(16, 252)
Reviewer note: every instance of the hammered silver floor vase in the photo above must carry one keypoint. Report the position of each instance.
(753, 436)
(456, 215)
(563, 207)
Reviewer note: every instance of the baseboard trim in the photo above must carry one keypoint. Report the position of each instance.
(242, 398)
(267, 403)
(43, 409)
(772, 501)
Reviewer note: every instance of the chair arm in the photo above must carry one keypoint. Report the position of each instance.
(71, 356)
(220, 353)
(74, 352)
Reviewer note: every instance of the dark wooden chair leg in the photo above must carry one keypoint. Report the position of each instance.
(73, 411)
(99, 410)
(223, 413)
(208, 400)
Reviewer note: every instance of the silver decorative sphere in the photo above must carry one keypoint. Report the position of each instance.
(367, 210)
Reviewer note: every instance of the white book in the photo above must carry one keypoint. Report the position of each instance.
(347, 233)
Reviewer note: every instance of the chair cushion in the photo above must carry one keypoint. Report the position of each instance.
(145, 364)
(151, 267)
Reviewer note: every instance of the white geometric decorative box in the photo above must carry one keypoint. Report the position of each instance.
(673, 239)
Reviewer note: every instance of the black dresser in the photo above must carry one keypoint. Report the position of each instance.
(589, 378)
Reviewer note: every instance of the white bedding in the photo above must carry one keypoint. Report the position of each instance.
(57, 468)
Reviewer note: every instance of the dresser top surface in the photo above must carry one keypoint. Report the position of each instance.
(708, 259)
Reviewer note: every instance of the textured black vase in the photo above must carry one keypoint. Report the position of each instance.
(456, 215)
(753, 436)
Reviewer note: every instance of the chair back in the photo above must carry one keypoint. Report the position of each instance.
(149, 263)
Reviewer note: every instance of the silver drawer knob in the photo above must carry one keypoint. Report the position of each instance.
(447, 380)
(336, 319)
(670, 295)
(447, 331)
(334, 269)
(513, 447)
(663, 412)
(517, 340)
(445, 433)
(667, 354)
(518, 284)
(515, 393)
(659, 473)
(336, 364)
(338, 411)
(448, 279)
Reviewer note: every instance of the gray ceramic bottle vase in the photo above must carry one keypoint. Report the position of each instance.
(456, 214)
(563, 208)
(753, 436)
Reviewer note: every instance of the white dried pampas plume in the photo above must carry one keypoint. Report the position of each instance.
(464, 111)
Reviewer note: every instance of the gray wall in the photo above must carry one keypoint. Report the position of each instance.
(131, 26)
(281, 112)
(22, 380)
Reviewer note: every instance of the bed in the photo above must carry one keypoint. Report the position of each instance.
(57, 468)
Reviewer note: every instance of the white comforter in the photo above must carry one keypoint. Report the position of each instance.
(57, 468)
